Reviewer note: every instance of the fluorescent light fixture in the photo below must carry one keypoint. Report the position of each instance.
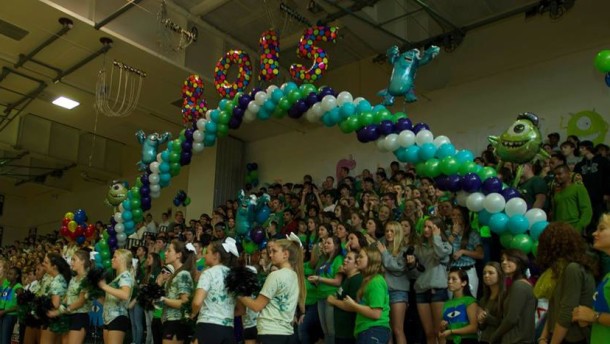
(66, 103)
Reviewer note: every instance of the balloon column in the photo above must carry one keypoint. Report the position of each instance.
(252, 213)
(602, 63)
(252, 174)
(74, 227)
(182, 199)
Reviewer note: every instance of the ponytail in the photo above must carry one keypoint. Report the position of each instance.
(187, 258)
(295, 259)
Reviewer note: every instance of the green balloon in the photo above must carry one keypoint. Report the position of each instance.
(187, 201)
(420, 168)
(306, 89)
(138, 183)
(353, 123)
(223, 130)
(284, 104)
(449, 165)
(137, 213)
(344, 126)
(602, 61)
(466, 167)
(135, 204)
(174, 169)
(365, 118)
(224, 117)
(103, 243)
(433, 168)
(106, 263)
(535, 249)
(177, 146)
(487, 172)
(294, 96)
(377, 117)
(182, 135)
(250, 247)
(506, 239)
(174, 157)
(522, 242)
(400, 115)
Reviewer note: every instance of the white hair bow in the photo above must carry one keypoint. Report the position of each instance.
(295, 238)
(190, 247)
(134, 263)
(92, 255)
(230, 246)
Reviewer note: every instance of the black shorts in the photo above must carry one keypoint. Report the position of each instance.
(120, 323)
(278, 339)
(175, 328)
(78, 321)
(214, 334)
(250, 333)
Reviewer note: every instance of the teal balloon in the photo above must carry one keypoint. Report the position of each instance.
(164, 167)
(215, 114)
(518, 224)
(164, 177)
(426, 151)
(412, 154)
(506, 240)
(165, 155)
(445, 150)
(209, 139)
(401, 154)
(263, 114)
(269, 105)
(222, 103)
(498, 223)
(290, 86)
(523, 243)
(347, 110)
(484, 217)
(211, 127)
(463, 156)
(276, 95)
(364, 106)
(537, 229)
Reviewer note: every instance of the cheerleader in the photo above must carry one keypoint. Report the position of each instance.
(59, 270)
(118, 293)
(178, 288)
(216, 307)
(283, 290)
(75, 304)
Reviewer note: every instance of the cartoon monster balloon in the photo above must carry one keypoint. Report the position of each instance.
(403, 74)
(150, 143)
(520, 143)
(117, 193)
(588, 125)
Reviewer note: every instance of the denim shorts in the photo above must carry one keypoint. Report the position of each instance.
(374, 335)
(432, 295)
(399, 296)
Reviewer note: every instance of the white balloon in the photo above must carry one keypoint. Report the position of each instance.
(153, 178)
(535, 215)
(494, 203)
(119, 228)
(118, 217)
(249, 116)
(121, 237)
(406, 138)
(462, 197)
(424, 136)
(311, 116)
(270, 89)
(253, 107)
(121, 208)
(474, 202)
(329, 102)
(283, 87)
(198, 136)
(344, 97)
(208, 114)
(154, 166)
(317, 110)
(201, 124)
(358, 100)
(159, 158)
(380, 143)
(391, 142)
(155, 187)
(515, 206)
(155, 194)
(198, 147)
(441, 140)
(260, 97)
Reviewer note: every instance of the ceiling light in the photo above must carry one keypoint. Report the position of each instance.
(66, 103)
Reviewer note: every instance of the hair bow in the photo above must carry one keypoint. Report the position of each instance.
(295, 238)
(134, 263)
(92, 255)
(190, 247)
(230, 246)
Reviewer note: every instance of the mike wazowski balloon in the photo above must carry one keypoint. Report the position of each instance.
(520, 143)
(117, 193)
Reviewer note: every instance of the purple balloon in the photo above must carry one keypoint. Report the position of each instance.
(491, 185)
(372, 132)
(144, 179)
(188, 133)
(471, 182)
(255, 91)
(146, 202)
(144, 190)
(420, 126)
(509, 193)
(442, 182)
(454, 183)
(238, 112)
(327, 91)
(112, 242)
(294, 113)
(361, 135)
(311, 99)
(386, 127)
(402, 125)
(234, 123)
(244, 100)
(257, 235)
(112, 220)
(301, 105)
(111, 231)
(186, 146)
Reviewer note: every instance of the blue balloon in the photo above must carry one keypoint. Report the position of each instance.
(269, 105)
(471, 182)
(492, 185)
(263, 114)
(537, 229)
(127, 215)
(412, 155)
(445, 150)
(364, 106)
(403, 124)
(164, 167)
(454, 183)
(210, 127)
(263, 214)
(518, 224)
(484, 217)
(420, 126)
(498, 223)
(427, 151)
(509, 193)
(463, 156)
(215, 114)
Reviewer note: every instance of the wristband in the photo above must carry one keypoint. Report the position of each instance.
(596, 317)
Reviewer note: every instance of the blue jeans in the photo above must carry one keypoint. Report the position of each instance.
(7, 325)
(309, 329)
(326, 312)
(374, 335)
(136, 315)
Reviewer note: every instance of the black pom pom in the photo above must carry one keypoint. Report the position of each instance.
(242, 281)
(42, 305)
(90, 283)
(25, 297)
(148, 294)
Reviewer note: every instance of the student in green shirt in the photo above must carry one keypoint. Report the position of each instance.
(8, 303)
(459, 324)
(344, 320)
(373, 306)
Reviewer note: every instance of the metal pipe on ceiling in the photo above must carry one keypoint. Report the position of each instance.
(67, 25)
(107, 46)
(116, 14)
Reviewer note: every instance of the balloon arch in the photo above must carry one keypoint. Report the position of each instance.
(497, 205)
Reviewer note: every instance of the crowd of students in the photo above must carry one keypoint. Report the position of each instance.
(341, 263)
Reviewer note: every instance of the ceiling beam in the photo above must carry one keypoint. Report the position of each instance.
(207, 6)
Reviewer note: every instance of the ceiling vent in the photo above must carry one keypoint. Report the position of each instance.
(12, 31)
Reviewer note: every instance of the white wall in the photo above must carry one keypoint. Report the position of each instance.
(513, 66)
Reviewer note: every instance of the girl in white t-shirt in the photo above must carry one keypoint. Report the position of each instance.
(283, 290)
(213, 302)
